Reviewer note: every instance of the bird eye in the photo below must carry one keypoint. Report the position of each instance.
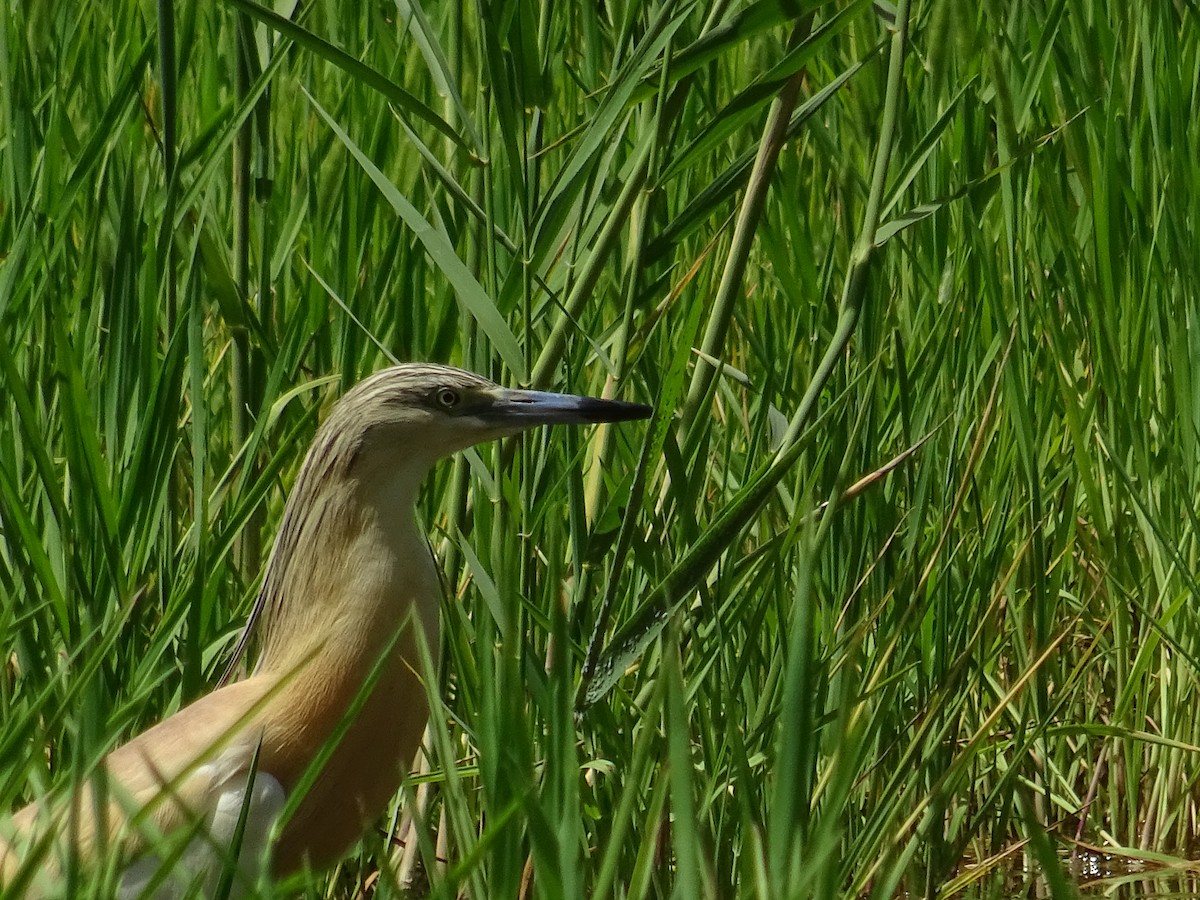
(447, 398)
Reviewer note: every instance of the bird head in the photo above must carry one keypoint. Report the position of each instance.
(364, 468)
(427, 412)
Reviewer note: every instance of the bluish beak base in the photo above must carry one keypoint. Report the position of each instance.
(542, 408)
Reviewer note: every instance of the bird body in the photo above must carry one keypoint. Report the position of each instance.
(336, 705)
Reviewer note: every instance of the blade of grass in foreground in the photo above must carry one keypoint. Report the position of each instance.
(353, 67)
(474, 299)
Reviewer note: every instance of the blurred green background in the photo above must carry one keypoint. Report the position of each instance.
(897, 593)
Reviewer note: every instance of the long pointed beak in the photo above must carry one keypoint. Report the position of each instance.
(528, 408)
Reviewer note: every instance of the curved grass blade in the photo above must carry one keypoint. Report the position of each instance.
(355, 68)
(474, 298)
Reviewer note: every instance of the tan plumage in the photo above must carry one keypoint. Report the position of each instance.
(350, 589)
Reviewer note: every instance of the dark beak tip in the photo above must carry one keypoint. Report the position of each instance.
(615, 411)
(639, 411)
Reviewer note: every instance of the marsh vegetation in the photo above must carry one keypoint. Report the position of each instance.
(898, 586)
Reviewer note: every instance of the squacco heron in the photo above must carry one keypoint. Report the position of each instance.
(350, 591)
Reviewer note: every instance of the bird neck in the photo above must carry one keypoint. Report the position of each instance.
(350, 572)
